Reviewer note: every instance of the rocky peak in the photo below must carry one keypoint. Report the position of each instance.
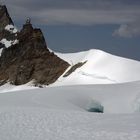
(31, 35)
(29, 58)
(5, 18)
(27, 27)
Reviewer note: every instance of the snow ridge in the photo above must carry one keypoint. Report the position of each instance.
(100, 68)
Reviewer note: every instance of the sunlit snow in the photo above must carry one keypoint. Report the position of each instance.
(11, 28)
(100, 68)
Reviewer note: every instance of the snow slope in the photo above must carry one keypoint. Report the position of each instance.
(59, 113)
(43, 124)
(115, 98)
(9, 87)
(101, 68)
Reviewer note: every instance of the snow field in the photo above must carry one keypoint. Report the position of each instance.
(40, 124)
(100, 68)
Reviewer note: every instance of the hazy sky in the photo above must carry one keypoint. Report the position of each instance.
(76, 25)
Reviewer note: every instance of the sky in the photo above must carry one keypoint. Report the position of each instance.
(79, 25)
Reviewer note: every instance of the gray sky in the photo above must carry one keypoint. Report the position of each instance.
(120, 17)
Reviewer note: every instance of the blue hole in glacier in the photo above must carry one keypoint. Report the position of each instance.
(95, 106)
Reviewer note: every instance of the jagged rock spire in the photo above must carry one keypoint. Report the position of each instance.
(29, 59)
(5, 18)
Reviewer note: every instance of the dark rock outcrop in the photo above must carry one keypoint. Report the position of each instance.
(73, 68)
(5, 20)
(30, 59)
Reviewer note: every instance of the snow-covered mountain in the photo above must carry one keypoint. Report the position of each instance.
(99, 68)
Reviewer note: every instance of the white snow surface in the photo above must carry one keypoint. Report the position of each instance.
(11, 28)
(8, 43)
(115, 98)
(59, 113)
(100, 68)
(43, 124)
(9, 87)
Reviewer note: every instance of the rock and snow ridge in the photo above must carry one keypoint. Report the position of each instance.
(9, 43)
(22, 52)
(8, 31)
(12, 31)
(29, 59)
(8, 36)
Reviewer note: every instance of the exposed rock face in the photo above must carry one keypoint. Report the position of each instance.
(7, 33)
(73, 68)
(5, 19)
(30, 59)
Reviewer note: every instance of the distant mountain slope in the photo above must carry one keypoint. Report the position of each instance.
(99, 68)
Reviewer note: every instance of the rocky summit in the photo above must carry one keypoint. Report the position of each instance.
(25, 56)
(5, 18)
